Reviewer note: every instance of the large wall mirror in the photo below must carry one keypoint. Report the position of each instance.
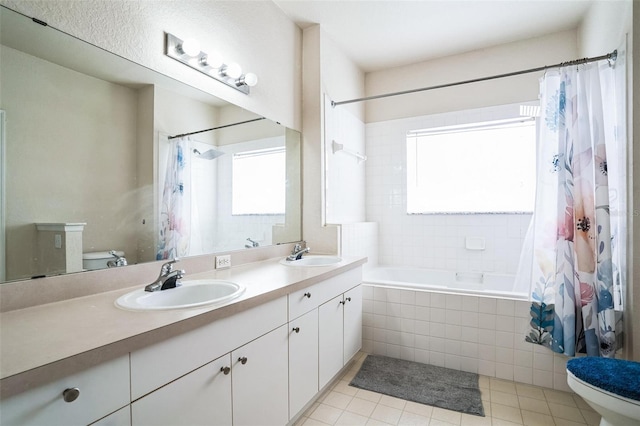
(89, 154)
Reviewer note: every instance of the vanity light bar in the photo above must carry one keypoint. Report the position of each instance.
(188, 52)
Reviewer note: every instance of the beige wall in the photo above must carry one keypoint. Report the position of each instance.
(72, 128)
(255, 34)
(496, 60)
(327, 71)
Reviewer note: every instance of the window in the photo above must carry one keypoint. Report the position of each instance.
(258, 185)
(484, 167)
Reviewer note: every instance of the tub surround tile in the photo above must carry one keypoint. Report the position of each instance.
(474, 337)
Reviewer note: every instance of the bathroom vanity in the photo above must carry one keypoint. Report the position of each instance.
(259, 359)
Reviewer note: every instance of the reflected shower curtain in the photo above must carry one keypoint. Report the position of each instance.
(575, 268)
(175, 210)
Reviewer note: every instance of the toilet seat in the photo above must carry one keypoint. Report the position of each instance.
(620, 378)
(605, 385)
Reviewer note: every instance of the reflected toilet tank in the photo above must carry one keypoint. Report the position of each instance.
(98, 259)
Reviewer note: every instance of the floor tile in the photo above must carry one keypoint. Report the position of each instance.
(337, 400)
(510, 399)
(535, 405)
(386, 414)
(412, 419)
(504, 412)
(566, 412)
(390, 401)
(448, 416)
(326, 414)
(361, 406)
(420, 409)
(352, 419)
(535, 418)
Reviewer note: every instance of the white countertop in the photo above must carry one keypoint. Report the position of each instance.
(46, 342)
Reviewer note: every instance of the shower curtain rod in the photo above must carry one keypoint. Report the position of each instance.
(215, 128)
(611, 56)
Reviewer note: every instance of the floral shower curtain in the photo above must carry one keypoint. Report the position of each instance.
(576, 261)
(175, 209)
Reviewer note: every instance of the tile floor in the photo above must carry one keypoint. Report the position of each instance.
(505, 403)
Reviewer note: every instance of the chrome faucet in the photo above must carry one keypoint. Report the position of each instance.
(118, 261)
(253, 243)
(168, 278)
(297, 252)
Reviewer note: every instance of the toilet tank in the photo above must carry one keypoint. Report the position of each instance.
(98, 259)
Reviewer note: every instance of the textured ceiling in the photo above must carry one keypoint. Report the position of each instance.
(378, 34)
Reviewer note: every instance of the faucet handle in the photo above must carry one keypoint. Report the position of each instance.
(168, 266)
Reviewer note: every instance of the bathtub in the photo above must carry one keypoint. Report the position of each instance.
(439, 280)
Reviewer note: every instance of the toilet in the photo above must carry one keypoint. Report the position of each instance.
(610, 386)
(98, 259)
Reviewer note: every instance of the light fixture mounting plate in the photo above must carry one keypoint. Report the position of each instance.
(173, 51)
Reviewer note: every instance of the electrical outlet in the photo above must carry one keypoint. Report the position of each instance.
(223, 261)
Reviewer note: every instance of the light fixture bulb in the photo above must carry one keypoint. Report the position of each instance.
(190, 47)
(250, 79)
(232, 70)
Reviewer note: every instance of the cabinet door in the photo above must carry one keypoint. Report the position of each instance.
(122, 417)
(202, 397)
(330, 338)
(303, 361)
(260, 380)
(352, 322)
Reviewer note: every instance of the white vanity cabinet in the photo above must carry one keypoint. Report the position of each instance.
(78, 399)
(331, 312)
(340, 333)
(202, 397)
(160, 363)
(259, 377)
(303, 361)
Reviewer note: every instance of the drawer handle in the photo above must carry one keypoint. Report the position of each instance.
(70, 394)
(296, 329)
(225, 370)
(307, 295)
(243, 360)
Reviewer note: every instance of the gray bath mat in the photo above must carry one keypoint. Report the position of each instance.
(423, 383)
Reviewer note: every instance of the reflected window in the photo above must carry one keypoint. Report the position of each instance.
(259, 179)
(486, 167)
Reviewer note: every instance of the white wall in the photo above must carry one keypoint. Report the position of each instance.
(257, 35)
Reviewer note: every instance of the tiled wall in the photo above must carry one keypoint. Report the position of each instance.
(359, 240)
(477, 334)
(433, 241)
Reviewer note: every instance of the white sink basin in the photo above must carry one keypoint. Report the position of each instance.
(313, 261)
(190, 294)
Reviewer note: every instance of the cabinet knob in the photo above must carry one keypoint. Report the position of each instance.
(342, 302)
(296, 329)
(348, 299)
(226, 370)
(307, 295)
(70, 394)
(243, 360)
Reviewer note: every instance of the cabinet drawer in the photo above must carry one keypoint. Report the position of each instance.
(158, 364)
(303, 301)
(103, 389)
